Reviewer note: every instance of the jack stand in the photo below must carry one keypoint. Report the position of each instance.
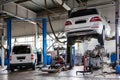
(85, 71)
(84, 62)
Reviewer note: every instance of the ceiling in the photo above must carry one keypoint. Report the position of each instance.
(36, 5)
(39, 5)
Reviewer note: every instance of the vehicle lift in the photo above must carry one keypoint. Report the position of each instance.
(45, 67)
(117, 35)
(117, 42)
(44, 33)
(9, 37)
(85, 70)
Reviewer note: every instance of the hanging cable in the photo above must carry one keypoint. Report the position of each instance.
(50, 22)
(44, 8)
(82, 2)
(54, 3)
(47, 33)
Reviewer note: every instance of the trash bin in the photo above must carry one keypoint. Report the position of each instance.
(113, 58)
(118, 69)
(49, 59)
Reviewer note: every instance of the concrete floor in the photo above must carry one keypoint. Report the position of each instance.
(64, 75)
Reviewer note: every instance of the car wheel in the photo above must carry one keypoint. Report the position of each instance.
(12, 69)
(101, 38)
(34, 66)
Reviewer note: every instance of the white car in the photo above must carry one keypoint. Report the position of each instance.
(23, 56)
(89, 23)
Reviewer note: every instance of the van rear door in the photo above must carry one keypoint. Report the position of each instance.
(21, 54)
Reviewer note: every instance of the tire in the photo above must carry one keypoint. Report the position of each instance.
(12, 70)
(34, 66)
(101, 38)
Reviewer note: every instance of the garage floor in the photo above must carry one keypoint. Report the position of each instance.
(64, 75)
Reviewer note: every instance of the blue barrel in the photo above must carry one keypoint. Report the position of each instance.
(118, 69)
(49, 59)
(113, 58)
(5, 62)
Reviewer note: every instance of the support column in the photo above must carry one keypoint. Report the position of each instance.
(36, 34)
(73, 55)
(69, 52)
(116, 28)
(2, 50)
(9, 35)
(44, 33)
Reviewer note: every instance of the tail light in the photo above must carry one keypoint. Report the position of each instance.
(94, 19)
(68, 23)
(32, 57)
(10, 58)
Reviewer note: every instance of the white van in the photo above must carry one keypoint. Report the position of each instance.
(23, 56)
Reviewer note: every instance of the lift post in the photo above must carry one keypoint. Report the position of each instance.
(116, 28)
(2, 50)
(73, 55)
(44, 33)
(70, 42)
(9, 35)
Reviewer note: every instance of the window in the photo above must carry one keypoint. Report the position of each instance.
(22, 49)
(83, 12)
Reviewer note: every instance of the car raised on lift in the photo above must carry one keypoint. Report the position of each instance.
(87, 23)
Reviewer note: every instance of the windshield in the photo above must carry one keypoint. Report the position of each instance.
(22, 49)
(83, 12)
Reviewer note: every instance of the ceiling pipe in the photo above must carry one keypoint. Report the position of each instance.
(82, 2)
(7, 1)
(100, 4)
(64, 5)
(22, 1)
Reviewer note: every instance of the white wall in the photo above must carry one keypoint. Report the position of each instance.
(26, 28)
(90, 45)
